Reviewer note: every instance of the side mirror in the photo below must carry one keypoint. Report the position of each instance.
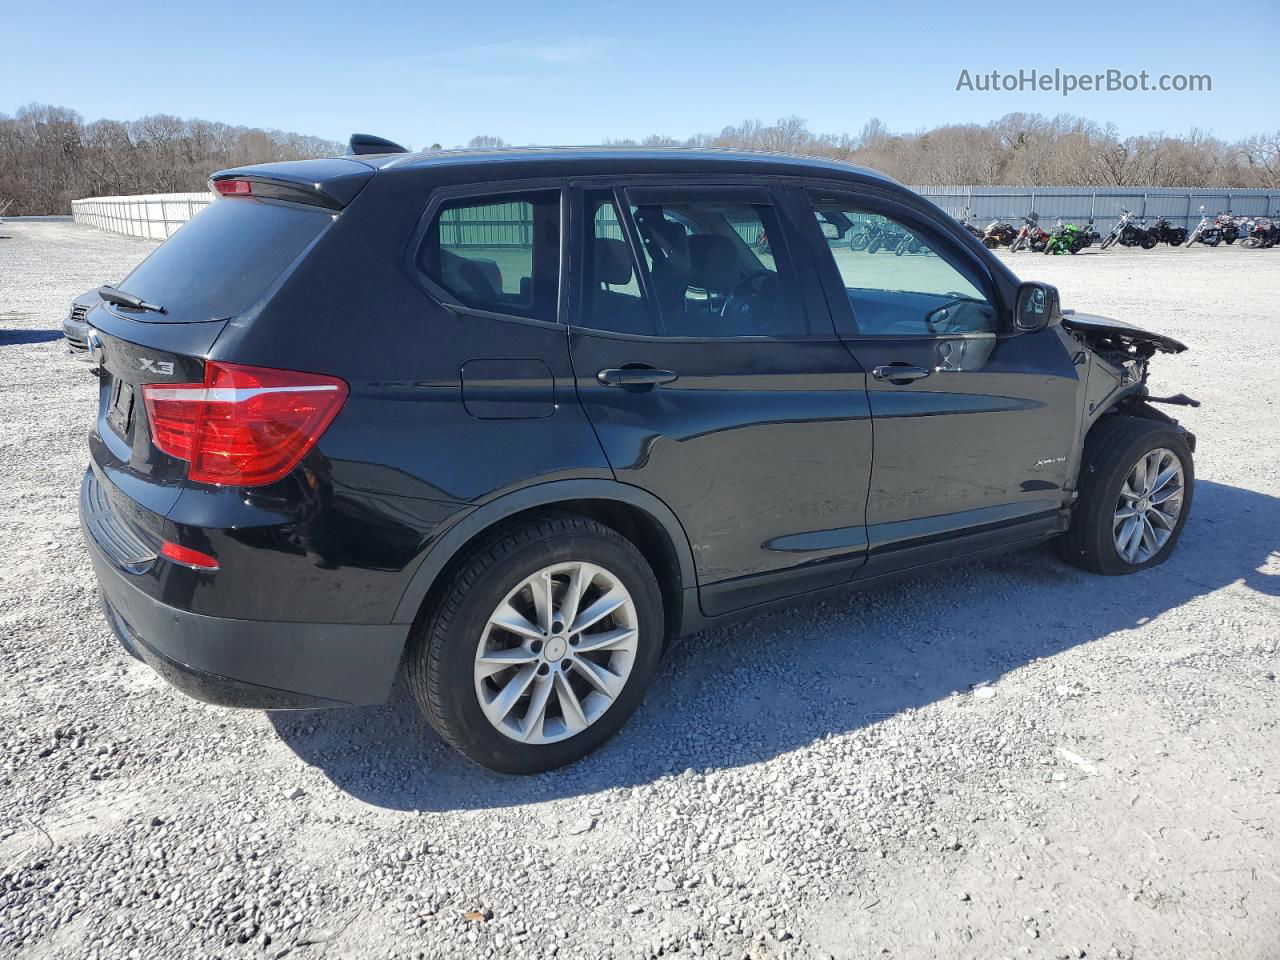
(1038, 306)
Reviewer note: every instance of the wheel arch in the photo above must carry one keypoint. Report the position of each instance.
(1134, 405)
(638, 515)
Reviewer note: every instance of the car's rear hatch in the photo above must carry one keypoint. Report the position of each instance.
(220, 268)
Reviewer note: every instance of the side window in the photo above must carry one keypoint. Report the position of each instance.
(716, 269)
(612, 299)
(897, 285)
(499, 252)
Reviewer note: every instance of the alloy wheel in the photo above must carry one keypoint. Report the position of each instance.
(556, 652)
(1149, 505)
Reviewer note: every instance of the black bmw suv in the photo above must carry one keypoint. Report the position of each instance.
(517, 419)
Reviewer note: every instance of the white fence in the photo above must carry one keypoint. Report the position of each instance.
(155, 216)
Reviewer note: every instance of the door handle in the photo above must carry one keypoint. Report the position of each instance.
(634, 376)
(899, 373)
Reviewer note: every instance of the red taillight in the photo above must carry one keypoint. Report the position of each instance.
(233, 188)
(188, 557)
(244, 426)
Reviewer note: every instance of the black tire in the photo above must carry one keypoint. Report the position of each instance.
(1112, 447)
(1148, 242)
(1107, 242)
(1177, 238)
(874, 246)
(442, 649)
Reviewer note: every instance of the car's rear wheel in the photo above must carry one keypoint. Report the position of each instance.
(1136, 483)
(540, 645)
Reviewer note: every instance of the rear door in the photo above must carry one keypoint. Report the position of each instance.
(973, 423)
(706, 360)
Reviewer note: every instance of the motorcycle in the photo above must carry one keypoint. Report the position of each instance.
(1262, 232)
(964, 222)
(1128, 233)
(1207, 231)
(909, 243)
(1147, 239)
(875, 236)
(998, 234)
(1229, 226)
(858, 239)
(1069, 238)
(1031, 235)
(1166, 232)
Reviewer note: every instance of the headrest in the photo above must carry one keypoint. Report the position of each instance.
(612, 261)
(715, 263)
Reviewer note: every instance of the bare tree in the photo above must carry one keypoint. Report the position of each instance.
(49, 155)
(1262, 155)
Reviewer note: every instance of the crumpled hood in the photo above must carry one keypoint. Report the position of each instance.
(1090, 323)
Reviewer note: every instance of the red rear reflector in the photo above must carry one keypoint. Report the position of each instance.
(244, 426)
(232, 188)
(188, 557)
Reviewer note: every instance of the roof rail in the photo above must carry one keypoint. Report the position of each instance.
(362, 143)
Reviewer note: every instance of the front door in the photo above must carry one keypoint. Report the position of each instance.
(973, 423)
(709, 368)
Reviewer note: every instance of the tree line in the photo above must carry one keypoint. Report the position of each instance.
(1019, 149)
(50, 155)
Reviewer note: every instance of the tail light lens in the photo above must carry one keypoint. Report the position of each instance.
(244, 426)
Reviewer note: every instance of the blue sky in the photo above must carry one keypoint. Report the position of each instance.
(578, 73)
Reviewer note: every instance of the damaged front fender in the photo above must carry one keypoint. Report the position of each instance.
(1112, 359)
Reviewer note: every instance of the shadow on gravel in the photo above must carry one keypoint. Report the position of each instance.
(10, 338)
(739, 695)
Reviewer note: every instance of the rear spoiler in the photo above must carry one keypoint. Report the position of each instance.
(331, 183)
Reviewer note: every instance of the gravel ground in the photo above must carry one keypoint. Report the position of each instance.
(1012, 758)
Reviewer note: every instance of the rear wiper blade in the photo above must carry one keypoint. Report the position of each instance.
(122, 299)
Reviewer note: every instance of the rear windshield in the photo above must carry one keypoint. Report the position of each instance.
(217, 265)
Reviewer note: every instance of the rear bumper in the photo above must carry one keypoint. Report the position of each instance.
(249, 663)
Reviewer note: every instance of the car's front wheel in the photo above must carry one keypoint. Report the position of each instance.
(1136, 483)
(540, 645)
